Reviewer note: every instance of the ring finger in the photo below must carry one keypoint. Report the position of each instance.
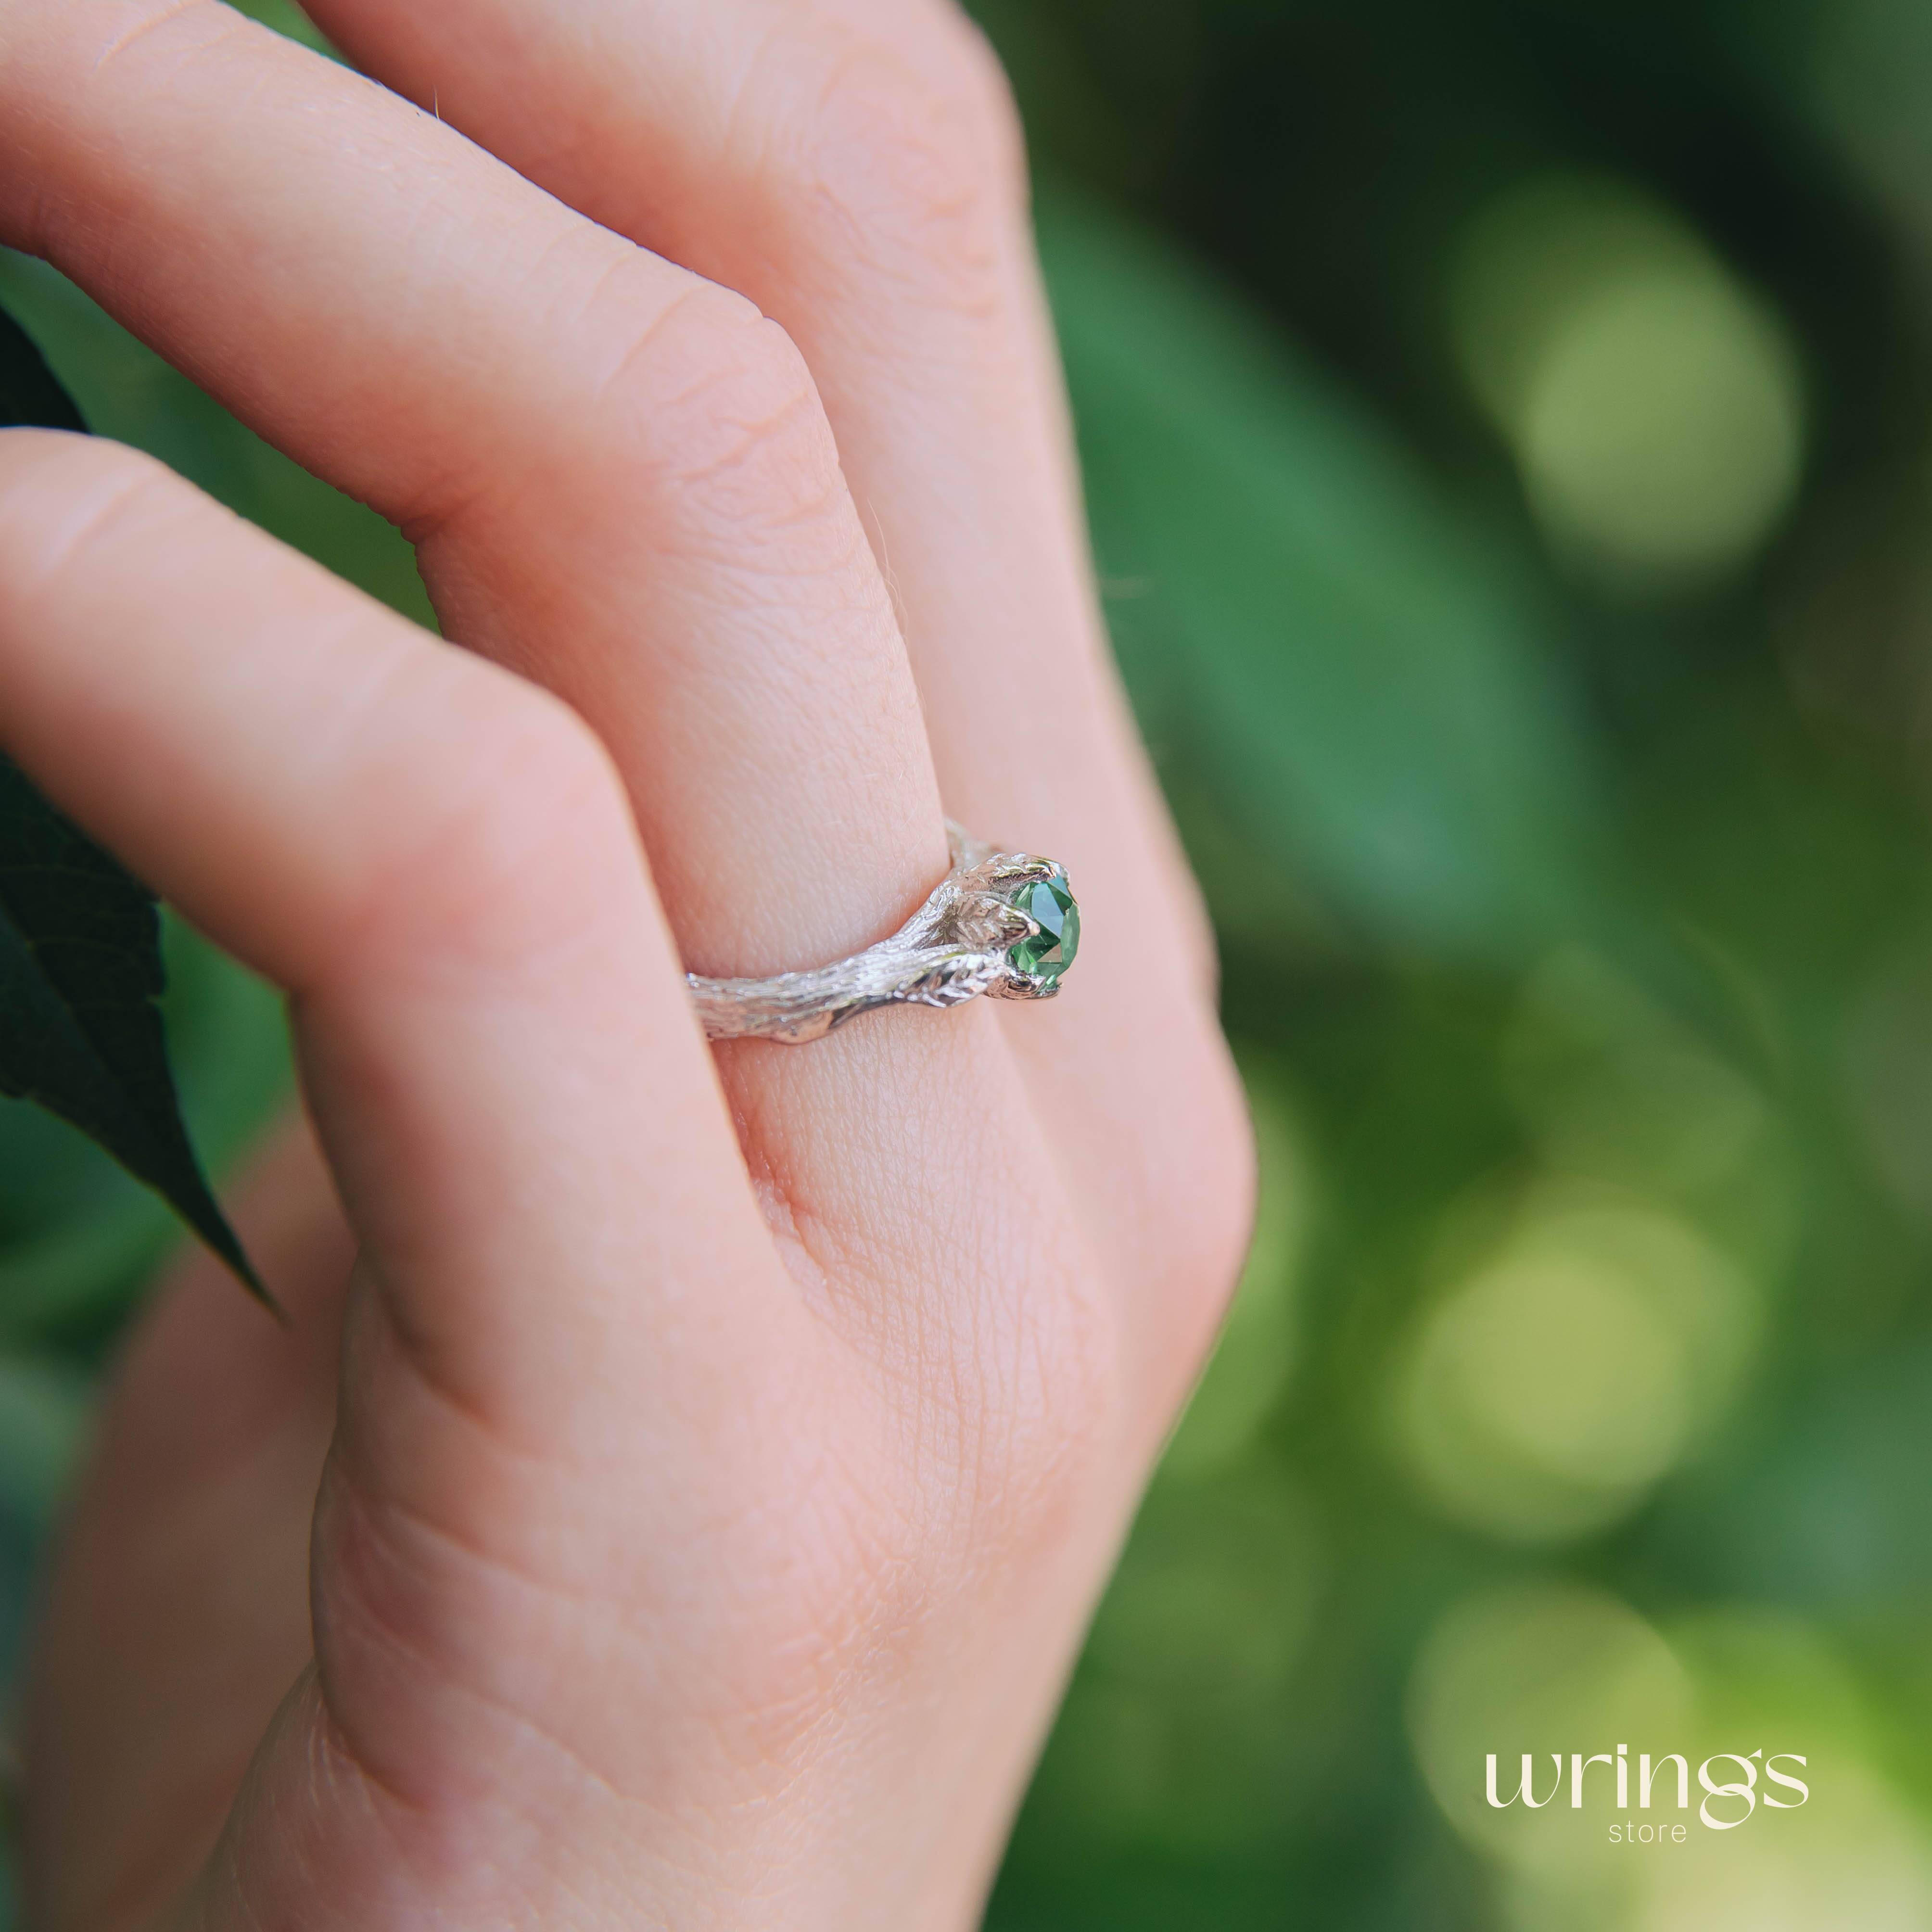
(853, 166)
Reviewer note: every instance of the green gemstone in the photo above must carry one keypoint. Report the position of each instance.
(1047, 953)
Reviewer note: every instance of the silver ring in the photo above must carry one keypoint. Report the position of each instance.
(999, 922)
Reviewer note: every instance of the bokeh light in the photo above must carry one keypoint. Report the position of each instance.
(1558, 1669)
(1852, 1854)
(1547, 1388)
(1548, 1667)
(1655, 404)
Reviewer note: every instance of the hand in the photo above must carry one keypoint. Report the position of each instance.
(713, 1455)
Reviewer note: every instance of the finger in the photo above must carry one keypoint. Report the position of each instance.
(176, 1616)
(854, 167)
(436, 860)
(621, 478)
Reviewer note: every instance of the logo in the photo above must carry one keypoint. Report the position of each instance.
(1728, 1801)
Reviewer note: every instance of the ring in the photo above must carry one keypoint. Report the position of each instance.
(999, 922)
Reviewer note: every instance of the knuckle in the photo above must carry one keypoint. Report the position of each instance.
(909, 162)
(729, 422)
(909, 173)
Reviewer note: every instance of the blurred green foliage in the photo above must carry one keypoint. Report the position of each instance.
(1508, 433)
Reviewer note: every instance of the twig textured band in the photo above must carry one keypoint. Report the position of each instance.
(999, 922)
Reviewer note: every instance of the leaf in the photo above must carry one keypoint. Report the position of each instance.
(80, 1236)
(29, 395)
(1307, 623)
(80, 961)
(80, 1031)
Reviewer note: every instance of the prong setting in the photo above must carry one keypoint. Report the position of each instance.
(985, 928)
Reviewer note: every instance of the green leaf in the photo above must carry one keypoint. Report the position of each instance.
(80, 1031)
(1309, 626)
(29, 395)
(80, 1238)
(80, 960)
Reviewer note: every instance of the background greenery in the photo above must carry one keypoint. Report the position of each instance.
(1506, 431)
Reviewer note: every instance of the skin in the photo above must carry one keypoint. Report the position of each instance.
(681, 1489)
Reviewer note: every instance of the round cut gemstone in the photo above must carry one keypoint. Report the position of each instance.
(1047, 953)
